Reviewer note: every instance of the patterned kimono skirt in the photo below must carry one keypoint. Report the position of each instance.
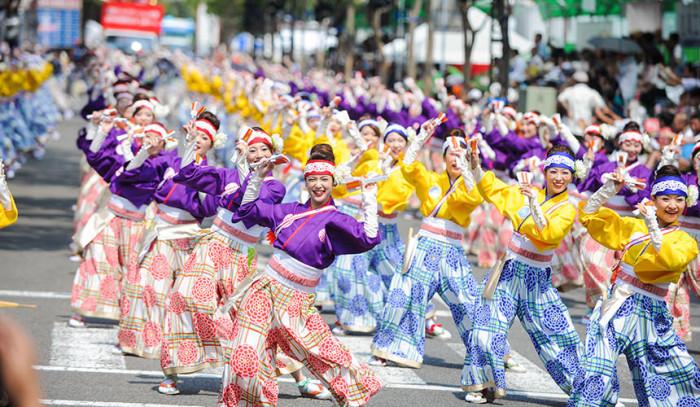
(438, 266)
(524, 290)
(567, 266)
(360, 295)
(106, 259)
(488, 234)
(635, 321)
(93, 190)
(678, 297)
(598, 261)
(193, 330)
(271, 315)
(327, 288)
(147, 287)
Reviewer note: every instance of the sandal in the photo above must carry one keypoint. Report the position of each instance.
(514, 367)
(338, 329)
(313, 390)
(475, 398)
(375, 361)
(168, 386)
(437, 331)
(76, 321)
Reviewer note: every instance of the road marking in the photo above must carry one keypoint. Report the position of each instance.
(153, 373)
(107, 404)
(535, 378)
(84, 347)
(360, 347)
(131, 372)
(35, 294)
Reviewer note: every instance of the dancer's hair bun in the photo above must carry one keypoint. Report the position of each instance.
(322, 152)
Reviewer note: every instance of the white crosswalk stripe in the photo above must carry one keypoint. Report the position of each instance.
(34, 294)
(535, 379)
(85, 347)
(91, 350)
(78, 403)
(360, 347)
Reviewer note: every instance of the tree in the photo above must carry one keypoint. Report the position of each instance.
(377, 9)
(502, 14)
(469, 35)
(428, 70)
(412, 23)
(349, 40)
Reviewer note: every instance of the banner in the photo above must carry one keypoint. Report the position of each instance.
(132, 16)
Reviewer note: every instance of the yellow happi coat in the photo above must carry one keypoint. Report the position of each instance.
(613, 231)
(431, 187)
(510, 203)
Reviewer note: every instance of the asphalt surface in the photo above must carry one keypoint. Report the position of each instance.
(77, 368)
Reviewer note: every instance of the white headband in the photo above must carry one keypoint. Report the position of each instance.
(368, 122)
(631, 136)
(158, 129)
(669, 186)
(319, 167)
(560, 161)
(452, 142)
(205, 127)
(143, 103)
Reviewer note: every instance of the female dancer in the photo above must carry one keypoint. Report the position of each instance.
(634, 319)
(194, 331)
(679, 293)
(439, 264)
(218, 262)
(541, 219)
(167, 242)
(276, 309)
(111, 246)
(8, 210)
(359, 297)
(597, 260)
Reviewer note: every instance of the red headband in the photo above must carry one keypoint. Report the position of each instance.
(319, 167)
(206, 127)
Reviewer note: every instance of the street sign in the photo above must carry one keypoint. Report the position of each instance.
(132, 17)
(58, 23)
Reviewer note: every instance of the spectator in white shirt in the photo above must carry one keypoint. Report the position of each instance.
(582, 104)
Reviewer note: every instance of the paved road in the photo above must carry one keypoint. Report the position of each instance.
(78, 369)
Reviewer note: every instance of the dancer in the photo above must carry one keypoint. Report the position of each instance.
(218, 262)
(541, 218)
(167, 242)
(8, 210)
(439, 264)
(112, 244)
(275, 309)
(634, 319)
(597, 260)
(358, 291)
(679, 293)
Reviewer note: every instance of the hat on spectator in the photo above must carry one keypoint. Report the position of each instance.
(580, 76)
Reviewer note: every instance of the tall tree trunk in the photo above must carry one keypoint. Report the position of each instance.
(292, 29)
(349, 40)
(381, 63)
(428, 71)
(412, 22)
(321, 51)
(468, 43)
(504, 67)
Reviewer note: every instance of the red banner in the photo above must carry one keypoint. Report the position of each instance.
(132, 16)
